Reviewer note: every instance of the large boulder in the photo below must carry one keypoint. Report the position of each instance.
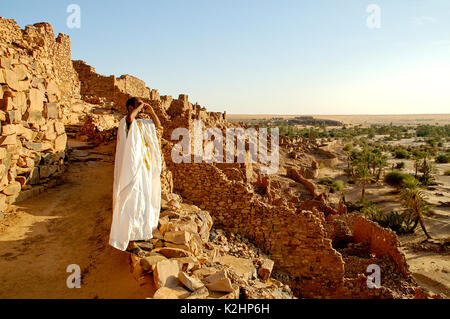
(149, 263)
(189, 282)
(165, 273)
(219, 281)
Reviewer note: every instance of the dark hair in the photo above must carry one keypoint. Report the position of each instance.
(134, 101)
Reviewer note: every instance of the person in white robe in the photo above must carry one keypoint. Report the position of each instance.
(137, 183)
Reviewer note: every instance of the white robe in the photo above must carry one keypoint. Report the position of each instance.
(137, 183)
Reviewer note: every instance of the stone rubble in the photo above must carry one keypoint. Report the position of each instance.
(183, 262)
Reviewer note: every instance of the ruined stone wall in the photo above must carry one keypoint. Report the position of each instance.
(133, 86)
(237, 171)
(382, 241)
(93, 84)
(37, 81)
(296, 175)
(295, 241)
(172, 113)
(118, 90)
(110, 88)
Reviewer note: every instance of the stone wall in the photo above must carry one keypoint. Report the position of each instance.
(93, 84)
(112, 89)
(118, 90)
(133, 86)
(37, 81)
(382, 241)
(295, 240)
(172, 113)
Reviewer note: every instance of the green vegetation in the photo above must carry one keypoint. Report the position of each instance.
(427, 169)
(401, 154)
(368, 149)
(333, 186)
(365, 166)
(399, 179)
(400, 165)
(347, 147)
(414, 200)
(447, 172)
(401, 223)
(373, 136)
(433, 131)
(364, 177)
(443, 158)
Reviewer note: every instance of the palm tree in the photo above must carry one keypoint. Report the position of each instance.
(415, 202)
(364, 177)
(427, 169)
(418, 156)
(380, 162)
(349, 158)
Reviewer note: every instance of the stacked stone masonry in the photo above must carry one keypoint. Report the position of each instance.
(37, 82)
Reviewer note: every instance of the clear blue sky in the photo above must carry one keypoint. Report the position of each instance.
(256, 56)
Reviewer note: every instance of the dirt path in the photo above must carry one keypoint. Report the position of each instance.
(68, 224)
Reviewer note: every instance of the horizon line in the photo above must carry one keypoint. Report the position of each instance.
(359, 114)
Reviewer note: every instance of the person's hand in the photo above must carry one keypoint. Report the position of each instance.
(148, 108)
(140, 107)
(137, 110)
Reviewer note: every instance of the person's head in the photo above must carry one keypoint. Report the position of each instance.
(133, 103)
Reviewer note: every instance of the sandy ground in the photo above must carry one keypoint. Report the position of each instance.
(396, 119)
(68, 224)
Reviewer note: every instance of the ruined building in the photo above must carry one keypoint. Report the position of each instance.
(317, 250)
(37, 85)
